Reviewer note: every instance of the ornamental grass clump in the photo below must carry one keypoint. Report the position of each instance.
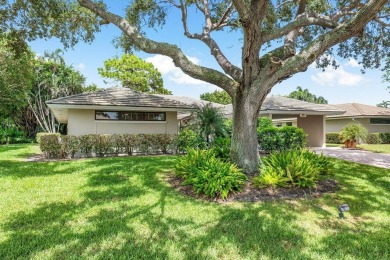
(209, 175)
(299, 168)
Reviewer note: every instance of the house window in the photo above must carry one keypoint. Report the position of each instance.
(380, 121)
(130, 116)
(289, 124)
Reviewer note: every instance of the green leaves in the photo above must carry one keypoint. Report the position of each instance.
(134, 73)
(218, 96)
(305, 95)
(301, 168)
(209, 175)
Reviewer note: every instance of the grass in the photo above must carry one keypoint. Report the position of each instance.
(123, 208)
(376, 148)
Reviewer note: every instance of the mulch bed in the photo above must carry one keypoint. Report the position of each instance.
(252, 194)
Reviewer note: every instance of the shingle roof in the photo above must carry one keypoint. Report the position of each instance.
(121, 97)
(361, 110)
(281, 104)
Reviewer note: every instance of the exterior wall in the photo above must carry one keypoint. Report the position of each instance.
(82, 122)
(335, 125)
(314, 127)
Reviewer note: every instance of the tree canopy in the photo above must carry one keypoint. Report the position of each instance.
(305, 95)
(279, 38)
(134, 73)
(218, 96)
(15, 77)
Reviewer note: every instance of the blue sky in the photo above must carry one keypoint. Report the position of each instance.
(344, 85)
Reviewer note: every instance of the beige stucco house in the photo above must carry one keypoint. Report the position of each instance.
(121, 110)
(118, 111)
(375, 119)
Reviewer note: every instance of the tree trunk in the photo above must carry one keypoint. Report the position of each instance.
(244, 149)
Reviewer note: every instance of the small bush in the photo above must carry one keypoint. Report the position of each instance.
(86, 144)
(50, 145)
(39, 136)
(374, 138)
(301, 168)
(385, 137)
(102, 145)
(263, 123)
(333, 138)
(353, 132)
(165, 142)
(221, 148)
(189, 139)
(69, 145)
(117, 144)
(286, 138)
(129, 143)
(209, 175)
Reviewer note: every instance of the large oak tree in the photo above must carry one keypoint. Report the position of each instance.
(279, 39)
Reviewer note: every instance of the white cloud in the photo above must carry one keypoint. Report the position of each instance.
(353, 63)
(167, 68)
(80, 66)
(338, 77)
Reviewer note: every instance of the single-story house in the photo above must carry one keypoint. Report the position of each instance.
(121, 110)
(118, 111)
(375, 119)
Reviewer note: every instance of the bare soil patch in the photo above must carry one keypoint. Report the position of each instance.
(252, 194)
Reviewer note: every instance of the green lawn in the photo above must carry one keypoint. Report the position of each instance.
(123, 208)
(377, 148)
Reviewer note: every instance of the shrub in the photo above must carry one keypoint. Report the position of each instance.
(209, 175)
(145, 143)
(301, 168)
(263, 123)
(129, 143)
(353, 132)
(189, 139)
(273, 139)
(221, 148)
(102, 144)
(292, 137)
(117, 144)
(39, 136)
(50, 145)
(385, 137)
(86, 144)
(69, 145)
(333, 138)
(374, 138)
(165, 142)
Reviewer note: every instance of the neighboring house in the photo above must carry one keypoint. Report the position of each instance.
(287, 111)
(375, 119)
(118, 111)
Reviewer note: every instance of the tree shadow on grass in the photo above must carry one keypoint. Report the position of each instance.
(127, 211)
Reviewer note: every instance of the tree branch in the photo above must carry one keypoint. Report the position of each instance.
(352, 27)
(205, 37)
(302, 20)
(180, 60)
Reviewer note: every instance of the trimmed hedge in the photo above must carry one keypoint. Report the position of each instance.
(286, 138)
(333, 138)
(57, 146)
(374, 138)
(385, 138)
(39, 136)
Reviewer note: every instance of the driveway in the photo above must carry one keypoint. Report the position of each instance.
(358, 156)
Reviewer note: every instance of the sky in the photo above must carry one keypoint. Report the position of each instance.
(344, 85)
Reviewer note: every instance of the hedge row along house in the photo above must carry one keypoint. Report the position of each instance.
(121, 110)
